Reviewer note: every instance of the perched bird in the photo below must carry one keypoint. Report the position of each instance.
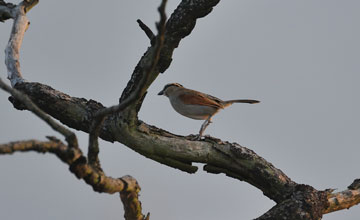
(197, 105)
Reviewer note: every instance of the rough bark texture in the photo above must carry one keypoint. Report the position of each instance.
(77, 164)
(303, 204)
(130, 199)
(180, 24)
(173, 150)
(344, 199)
(5, 10)
(294, 201)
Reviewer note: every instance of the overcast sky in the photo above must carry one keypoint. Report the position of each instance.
(300, 58)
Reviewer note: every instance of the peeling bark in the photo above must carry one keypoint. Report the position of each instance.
(294, 201)
(305, 203)
(344, 199)
(169, 149)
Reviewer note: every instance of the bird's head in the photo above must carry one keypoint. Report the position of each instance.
(169, 88)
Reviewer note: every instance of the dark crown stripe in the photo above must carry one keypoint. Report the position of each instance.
(172, 84)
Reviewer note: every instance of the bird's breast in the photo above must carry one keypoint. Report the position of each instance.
(198, 112)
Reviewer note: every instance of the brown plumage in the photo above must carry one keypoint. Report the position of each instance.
(197, 105)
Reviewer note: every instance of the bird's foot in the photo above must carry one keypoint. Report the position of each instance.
(196, 137)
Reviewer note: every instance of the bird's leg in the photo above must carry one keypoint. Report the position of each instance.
(203, 127)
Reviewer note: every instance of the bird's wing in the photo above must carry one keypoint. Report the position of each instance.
(200, 99)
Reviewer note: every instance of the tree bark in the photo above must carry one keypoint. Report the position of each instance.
(120, 123)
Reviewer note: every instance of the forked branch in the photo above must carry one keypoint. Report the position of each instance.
(70, 154)
(120, 123)
(103, 113)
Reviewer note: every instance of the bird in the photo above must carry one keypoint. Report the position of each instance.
(197, 105)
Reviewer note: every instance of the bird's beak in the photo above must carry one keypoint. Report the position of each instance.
(161, 92)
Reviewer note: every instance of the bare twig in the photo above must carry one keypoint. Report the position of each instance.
(344, 199)
(147, 31)
(130, 200)
(179, 25)
(12, 58)
(103, 113)
(126, 185)
(77, 162)
(74, 158)
(53, 146)
(69, 135)
(93, 151)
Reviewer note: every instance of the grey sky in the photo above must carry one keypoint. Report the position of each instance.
(300, 58)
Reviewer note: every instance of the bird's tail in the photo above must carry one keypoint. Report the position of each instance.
(249, 101)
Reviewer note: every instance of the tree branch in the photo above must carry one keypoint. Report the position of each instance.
(9, 10)
(12, 51)
(147, 31)
(29, 4)
(304, 202)
(102, 113)
(132, 205)
(172, 150)
(180, 24)
(74, 158)
(69, 135)
(344, 199)
(71, 154)
(164, 147)
(6, 10)
(127, 186)
(79, 167)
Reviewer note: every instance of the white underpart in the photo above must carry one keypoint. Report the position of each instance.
(12, 51)
(197, 112)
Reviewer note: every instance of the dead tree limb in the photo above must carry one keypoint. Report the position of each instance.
(70, 154)
(120, 123)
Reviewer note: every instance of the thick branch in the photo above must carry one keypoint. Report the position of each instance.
(175, 151)
(6, 10)
(9, 10)
(73, 157)
(102, 113)
(71, 154)
(180, 24)
(159, 145)
(305, 203)
(294, 201)
(69, 135)
(220, 157)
